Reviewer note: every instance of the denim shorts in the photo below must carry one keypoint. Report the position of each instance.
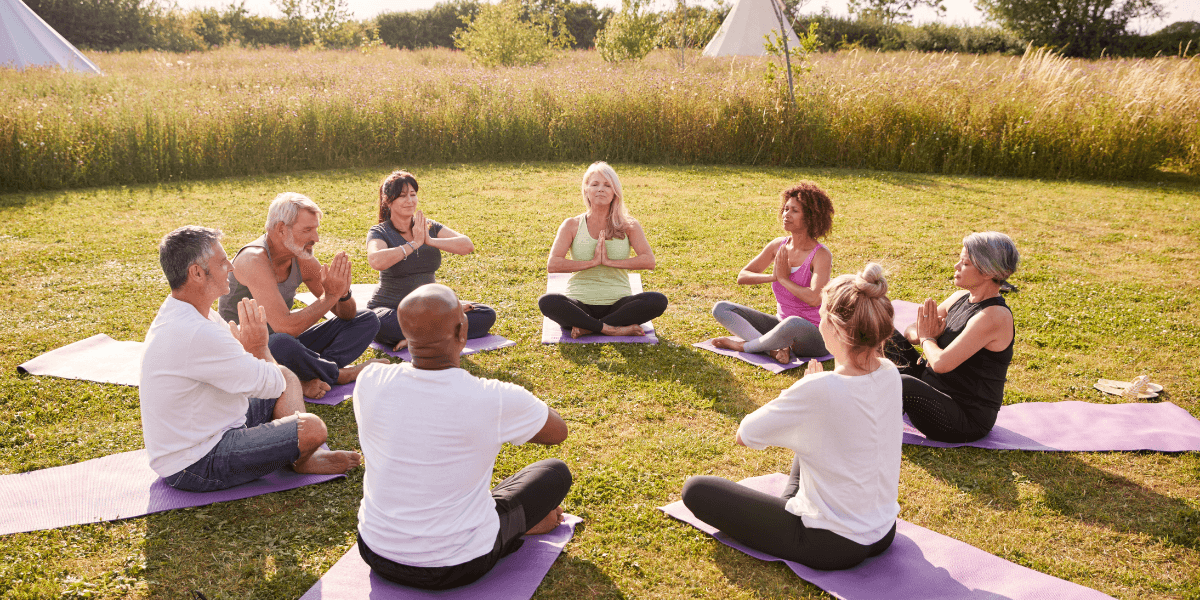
(259, 447)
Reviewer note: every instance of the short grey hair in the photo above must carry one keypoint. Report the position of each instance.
(184, 247)
(286, 206)
(993, 253)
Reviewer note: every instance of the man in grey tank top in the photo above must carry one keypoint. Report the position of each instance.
(270, 269)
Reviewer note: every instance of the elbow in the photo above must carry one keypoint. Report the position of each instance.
(938, 366)
(649, 263)
(469, 247)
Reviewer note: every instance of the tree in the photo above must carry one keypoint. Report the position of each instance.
(1073, 27)
(891, 11)
(629, 34)
(498, 37)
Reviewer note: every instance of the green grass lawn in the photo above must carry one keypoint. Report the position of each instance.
(1108, 288)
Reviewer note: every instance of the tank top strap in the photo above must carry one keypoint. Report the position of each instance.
(807, 264)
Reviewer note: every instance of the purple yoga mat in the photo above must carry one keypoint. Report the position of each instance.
(336, 395)
(553, 333)
(920, 565)
(114, 487)
(515, 577)
(904, 313)
(1084, 427)
(482, 344)
(98, 358)
(759, 360)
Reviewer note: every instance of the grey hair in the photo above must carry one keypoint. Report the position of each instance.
(184, 247)
(993, 253)
(286, 206)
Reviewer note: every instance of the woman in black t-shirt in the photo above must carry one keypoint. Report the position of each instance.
(954, 393)
(406, 249)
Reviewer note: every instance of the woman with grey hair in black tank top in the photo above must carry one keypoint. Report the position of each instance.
(406, 248)
(954, 393)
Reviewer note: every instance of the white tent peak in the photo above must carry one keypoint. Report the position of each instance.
(742, 31)
(27, 41)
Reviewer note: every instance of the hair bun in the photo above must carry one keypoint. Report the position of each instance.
(871, 281)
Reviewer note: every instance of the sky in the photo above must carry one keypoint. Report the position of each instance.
(957, 11)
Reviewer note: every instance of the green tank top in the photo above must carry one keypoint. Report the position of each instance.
(599, 285)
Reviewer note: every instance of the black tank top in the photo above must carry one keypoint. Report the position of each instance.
(978, 383)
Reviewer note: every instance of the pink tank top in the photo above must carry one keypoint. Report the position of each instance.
(789, 305)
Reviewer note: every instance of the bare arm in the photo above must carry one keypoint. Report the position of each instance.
(554, 432)
(330, 280)
(558, 261)
(822, 264)
(991, 327)
(644, 259)
(253, 269)
(753, 272)
(451, 241)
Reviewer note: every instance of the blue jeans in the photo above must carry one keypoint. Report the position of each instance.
(260, 447)
(480, 319)
(326, 347)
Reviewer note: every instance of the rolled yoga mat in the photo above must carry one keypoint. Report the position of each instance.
(553, 333)
(515, 577)
(98, 358)
(919, 565)
(120, 486)
(1083, 427)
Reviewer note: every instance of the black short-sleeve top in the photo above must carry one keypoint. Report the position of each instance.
(400, 279)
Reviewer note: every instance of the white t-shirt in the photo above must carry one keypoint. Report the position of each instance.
(430, 440)
(846, 432)
(195, 381)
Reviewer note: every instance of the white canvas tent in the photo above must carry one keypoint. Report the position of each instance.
(742, 32)
(27, 41)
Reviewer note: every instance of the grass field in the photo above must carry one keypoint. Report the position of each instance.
(1108, 288)
(159, 117)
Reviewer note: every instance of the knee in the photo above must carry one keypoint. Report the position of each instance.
(659, 300)
(312, 432)
(547, 302)
(721, 308)
(696, 490)
(367, 320)
(283, 345)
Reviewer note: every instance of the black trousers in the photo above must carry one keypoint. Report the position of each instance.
(522, 501)
(762, 522)
(933, 412)
(630, 310)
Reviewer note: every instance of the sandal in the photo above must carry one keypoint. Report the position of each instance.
(1139, 388)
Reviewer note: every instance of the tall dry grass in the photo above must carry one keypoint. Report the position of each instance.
(163, 117)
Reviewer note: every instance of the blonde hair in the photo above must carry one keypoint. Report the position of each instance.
(861, 314)
(618, 216)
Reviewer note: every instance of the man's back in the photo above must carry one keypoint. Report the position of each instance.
(431, 438)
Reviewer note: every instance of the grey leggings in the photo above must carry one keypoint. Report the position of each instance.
(764, 332)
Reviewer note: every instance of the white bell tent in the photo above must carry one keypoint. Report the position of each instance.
(742, 31)
(27, 41)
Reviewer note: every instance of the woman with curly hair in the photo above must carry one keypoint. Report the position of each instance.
(801, 269)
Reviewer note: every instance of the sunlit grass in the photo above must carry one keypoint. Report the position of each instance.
(158, 117)
(1107, 289)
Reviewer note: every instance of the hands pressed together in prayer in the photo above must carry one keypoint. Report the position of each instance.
(335, 276)
(929, 322)
(782, 270)
(251, 330)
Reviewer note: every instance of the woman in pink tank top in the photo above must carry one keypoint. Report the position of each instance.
(801, 267)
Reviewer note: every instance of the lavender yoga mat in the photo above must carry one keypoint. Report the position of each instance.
(553, 333)
(114, 487)
(362, 293)
(1083, 427)
(920, 565)
(98, 358)
(759, 360)
(482, 344)
(515, 577)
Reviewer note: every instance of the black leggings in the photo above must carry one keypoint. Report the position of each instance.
(630, 310)
(933, 412)
(522, 501)
(762, 522)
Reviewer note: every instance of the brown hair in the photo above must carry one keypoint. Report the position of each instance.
(390, 187)
(858, 308)
(818, 208)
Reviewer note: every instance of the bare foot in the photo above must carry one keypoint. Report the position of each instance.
(782, 356)
(624, 330)
(728, 343)
(578, 332)
(547, 524)
(328, 462)
(348, 374)
(314, 388)
(402, 344)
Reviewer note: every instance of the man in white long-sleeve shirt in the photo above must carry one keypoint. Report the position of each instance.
(216, 409)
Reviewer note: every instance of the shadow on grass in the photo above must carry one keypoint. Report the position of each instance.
(574, 577)
(1069, 487)
(669, 362)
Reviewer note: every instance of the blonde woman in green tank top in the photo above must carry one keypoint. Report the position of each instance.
(605, 243)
